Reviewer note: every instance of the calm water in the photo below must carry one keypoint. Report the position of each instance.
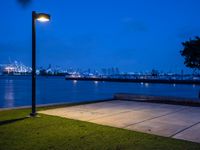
(16, 90)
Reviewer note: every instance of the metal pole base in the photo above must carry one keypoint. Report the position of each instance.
(33, 114)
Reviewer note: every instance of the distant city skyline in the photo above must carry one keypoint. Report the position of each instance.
(13, 65)
(131, 35)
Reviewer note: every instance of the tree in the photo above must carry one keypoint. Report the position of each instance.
(191, 53)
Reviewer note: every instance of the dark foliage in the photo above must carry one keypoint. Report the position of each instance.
(191, 53)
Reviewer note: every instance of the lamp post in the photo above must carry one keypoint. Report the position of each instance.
(42, 17)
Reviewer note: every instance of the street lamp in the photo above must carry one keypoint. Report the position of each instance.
(42, 17)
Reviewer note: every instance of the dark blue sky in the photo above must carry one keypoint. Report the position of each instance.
(134, 35)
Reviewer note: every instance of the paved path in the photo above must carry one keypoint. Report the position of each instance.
(181, 122)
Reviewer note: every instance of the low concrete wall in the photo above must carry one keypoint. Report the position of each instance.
(157, 99)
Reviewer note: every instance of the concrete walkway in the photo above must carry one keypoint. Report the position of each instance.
(180, 122)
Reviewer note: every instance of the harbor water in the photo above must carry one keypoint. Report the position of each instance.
(16, 90)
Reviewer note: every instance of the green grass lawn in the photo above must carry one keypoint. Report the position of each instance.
(17, 132)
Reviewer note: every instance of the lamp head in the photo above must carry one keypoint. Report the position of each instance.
(42, 17)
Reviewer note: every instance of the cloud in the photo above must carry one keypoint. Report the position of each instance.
(132, 25)
(188, 32)
(24, 3)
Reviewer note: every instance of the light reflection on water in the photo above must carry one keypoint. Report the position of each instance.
(9, 93)
(74, 81)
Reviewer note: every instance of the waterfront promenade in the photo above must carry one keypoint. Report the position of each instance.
(175, 121)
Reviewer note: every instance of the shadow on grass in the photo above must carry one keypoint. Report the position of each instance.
(5, 122)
